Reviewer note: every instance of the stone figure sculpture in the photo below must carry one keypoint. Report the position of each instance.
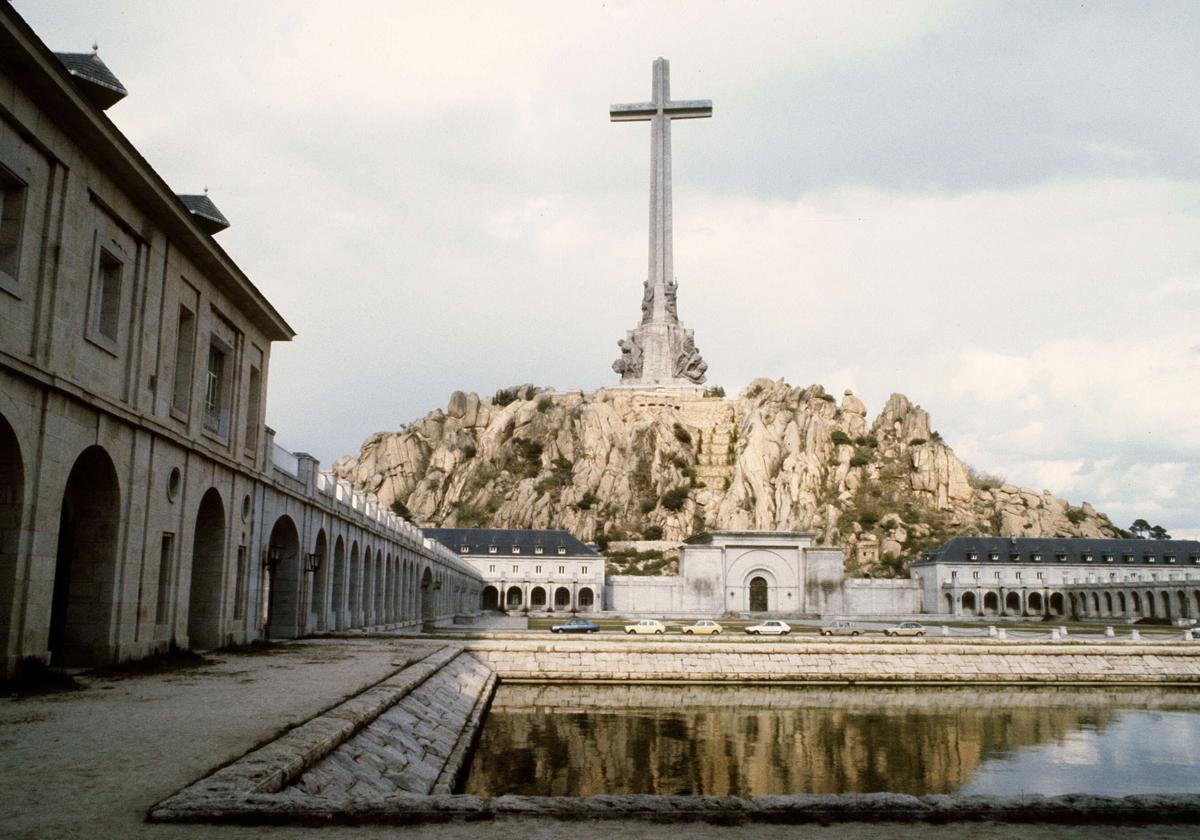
(629, 364)
(689, 364)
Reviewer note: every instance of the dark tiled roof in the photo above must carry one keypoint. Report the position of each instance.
(210, 219)
(1065, 550)
(94, 79)
(478, 541)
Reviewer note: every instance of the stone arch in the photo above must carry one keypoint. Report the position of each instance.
(586, 599)
(1181, 598)
(366, 599)
(1035, 603)
(1121, 604)
(320, 611)
(1012, 603)
(1095, 603)
(12, 506)
(969, 604)
(991, 603)
(1136, 603)
(537, 598)
(513, 598)
(356, 582)
(1056, 604)
(338, 587)
(85, 568)
(1197, 600)
(490, 599)
(428, 608)
(207, 584)
(562, 598)
(949, 603)
(1165, 599)
(393, 588)
(284, 609)
(1151, 607)
(380, 587)
(1108, 603)
(759, 594)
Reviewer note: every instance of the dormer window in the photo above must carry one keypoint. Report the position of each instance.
(491, 549)
(1150, 558)
(562, 549)
(993, 557)
(1037, 558)
(464, 549)
(1087, 558)
(1129, 558)
(516, 549)
(537, 549)
(972, 556)
(1014, 557)
(1108, 558)
(1061, 557)
(1170, 558)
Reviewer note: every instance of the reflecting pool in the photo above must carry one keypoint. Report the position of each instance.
(580, 740)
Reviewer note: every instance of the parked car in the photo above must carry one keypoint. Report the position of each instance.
(703, 627)
(769, 628)
(575, 625)
(841, 628)
(905, 628)
(646, 627)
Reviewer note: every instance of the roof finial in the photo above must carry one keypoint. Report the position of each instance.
(206, 189)
(95, 47)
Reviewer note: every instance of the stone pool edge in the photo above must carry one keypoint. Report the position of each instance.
(254, 788)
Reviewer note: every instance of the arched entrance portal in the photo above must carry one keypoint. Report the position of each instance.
(427, 606)
(537, 598)
(758, 594)
(283, 604)
(586, 599)
(1036, 607)
(991, 603)
(12, 494)
(1012, 603)
(490, 599)
(512, 599)
(969, 606)
(562, 598)
(338, 606)
(208, 574)
(85, 568)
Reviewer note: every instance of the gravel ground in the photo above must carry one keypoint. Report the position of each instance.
(90, 763)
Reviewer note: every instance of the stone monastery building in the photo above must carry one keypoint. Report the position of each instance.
(142, 501)
(541, 570)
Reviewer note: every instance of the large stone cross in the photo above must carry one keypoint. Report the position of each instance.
(659, 300)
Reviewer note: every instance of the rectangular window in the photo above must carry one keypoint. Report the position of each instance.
(584, 570)
(1018, 575)
(216, 389)
(492, 567)
(162, 611)
(240, 585)
(516, 568)
(975, 575)
(106, 297)
(953, 574)
(562, 570)
(537, 569)
(1039, 575)
(997, 575)
(185, 358)
(12, 220)
(253, 407)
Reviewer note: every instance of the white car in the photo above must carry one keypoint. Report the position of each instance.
(646, 627)
(769, 628)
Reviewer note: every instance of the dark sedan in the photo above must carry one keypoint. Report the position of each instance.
(575, 625)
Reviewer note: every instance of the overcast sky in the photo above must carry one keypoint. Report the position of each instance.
(991, 208)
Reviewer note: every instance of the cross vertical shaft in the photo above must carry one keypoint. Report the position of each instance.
(658, 305)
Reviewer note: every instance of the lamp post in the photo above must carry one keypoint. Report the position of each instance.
(312, 564)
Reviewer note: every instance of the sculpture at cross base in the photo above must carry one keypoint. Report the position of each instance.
(666, 353)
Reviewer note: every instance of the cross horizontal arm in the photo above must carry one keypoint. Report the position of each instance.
(636, 111)
(688, 109)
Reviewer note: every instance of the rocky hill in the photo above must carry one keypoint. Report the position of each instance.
(618, 465)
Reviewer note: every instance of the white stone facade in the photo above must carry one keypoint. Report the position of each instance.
(781, 573)
(142, 501)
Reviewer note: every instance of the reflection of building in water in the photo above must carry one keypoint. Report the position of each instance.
(584, 740)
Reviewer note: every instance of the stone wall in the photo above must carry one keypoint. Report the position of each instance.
(881, 597)
(924, 661)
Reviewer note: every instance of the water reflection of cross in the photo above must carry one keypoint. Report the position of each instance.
(659, 111)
